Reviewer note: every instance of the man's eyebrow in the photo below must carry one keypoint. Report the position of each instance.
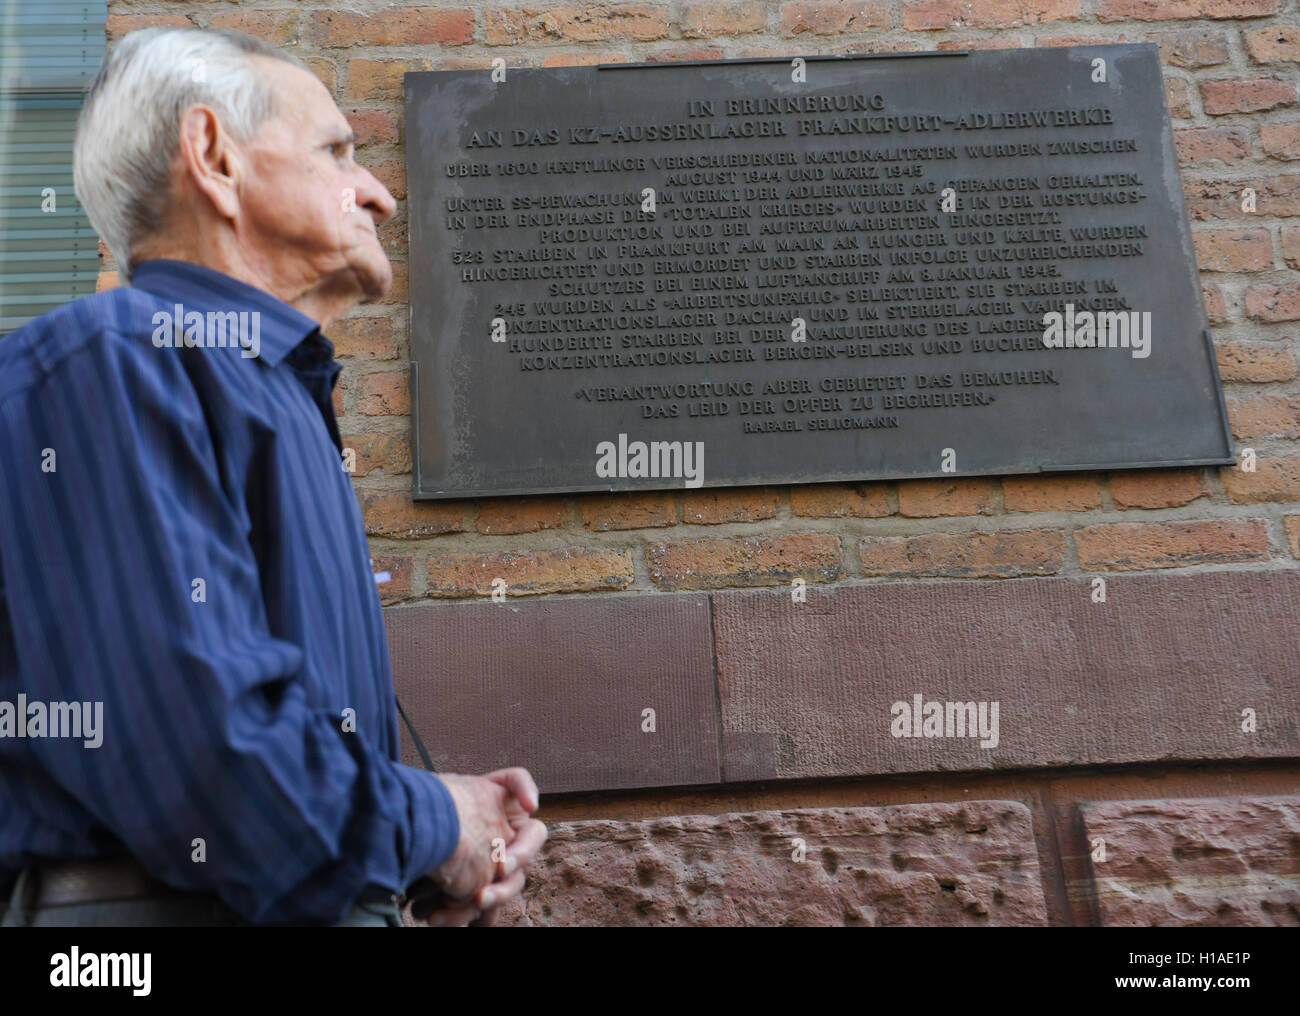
(343, 137)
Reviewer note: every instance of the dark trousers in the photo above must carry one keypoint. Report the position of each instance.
(171, 911)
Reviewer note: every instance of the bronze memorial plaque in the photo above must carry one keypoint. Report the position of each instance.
(641, 276)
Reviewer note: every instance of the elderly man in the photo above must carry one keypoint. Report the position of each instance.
(181, 551)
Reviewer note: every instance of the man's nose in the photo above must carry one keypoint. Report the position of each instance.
(373, 196)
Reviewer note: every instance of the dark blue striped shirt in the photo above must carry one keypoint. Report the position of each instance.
(180, 541)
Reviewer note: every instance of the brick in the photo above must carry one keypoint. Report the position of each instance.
(840, 500)
(581, 59)
(987, 42)
(1292, 526)
(640, 22)
(729, 17)
(1157, 488)
(1291, 246)
(393, 236)
(1217, 199)
(1273, 303)
(389, 452)
(1254, 361)
(1216, 304)
(1246, 95)
(1185, 862)
(514, 515)
(740, 504)
(1178, 97)
(1199, 145)
(836, 17)
(373, 126)
(1074, 493)
(379, 79)
(368, 338)
(118, 25)
(1233, 250)
(1274, 479)
(1051, 41)
(605, 512)
(392, 174)
(1178, 10)
(1193, 48)
(280, 28)
(400, 568)
(403, 26)
(1062, 667)
(1131, 546)
(464, 63)
(877, 44)
(998, 555)
(399, 291)
(557, 684)
(105, 281)
(384, 394)
(339, 395)
(928, 499)
(1265, 416)
(679, 55)
(1273, 43)
(1280, 140)
(326, 71)
(971, 863)
(397, 516)
(530, 573)
(928, 15)
(748, 561)
(806, 48)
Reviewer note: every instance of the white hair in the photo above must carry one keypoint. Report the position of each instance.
(128, 132)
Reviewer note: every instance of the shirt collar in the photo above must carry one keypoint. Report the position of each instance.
(198, 287)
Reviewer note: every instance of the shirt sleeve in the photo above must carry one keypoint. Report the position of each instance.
(131, 585)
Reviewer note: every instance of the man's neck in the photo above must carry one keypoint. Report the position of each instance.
(324, 302)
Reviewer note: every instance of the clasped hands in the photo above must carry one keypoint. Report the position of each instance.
(499, 839)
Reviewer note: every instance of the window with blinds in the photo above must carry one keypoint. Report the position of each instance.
(49, 53)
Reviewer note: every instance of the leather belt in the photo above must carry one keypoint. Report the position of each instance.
(106, 879)
(59, 883)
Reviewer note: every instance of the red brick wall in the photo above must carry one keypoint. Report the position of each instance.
(1231, 82)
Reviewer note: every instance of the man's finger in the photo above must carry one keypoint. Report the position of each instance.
(501, 892)
(519, 781)
(524, 847)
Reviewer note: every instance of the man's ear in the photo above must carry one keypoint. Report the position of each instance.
(211, 159)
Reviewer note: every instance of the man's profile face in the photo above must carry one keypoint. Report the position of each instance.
(310, 211)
